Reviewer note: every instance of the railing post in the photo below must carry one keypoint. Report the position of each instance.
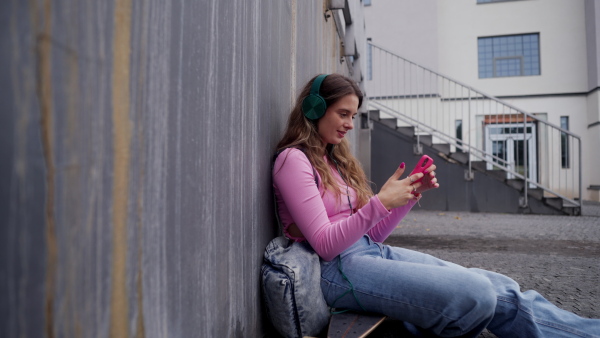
(580, 175)
(469, 176)
(525, 166)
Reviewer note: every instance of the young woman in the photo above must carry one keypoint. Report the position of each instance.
(323, 197)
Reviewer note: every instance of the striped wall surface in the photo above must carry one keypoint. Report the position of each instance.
(135, 147)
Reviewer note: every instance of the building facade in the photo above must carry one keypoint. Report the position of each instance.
(541, 56)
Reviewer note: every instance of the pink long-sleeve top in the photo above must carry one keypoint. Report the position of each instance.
(325, 220)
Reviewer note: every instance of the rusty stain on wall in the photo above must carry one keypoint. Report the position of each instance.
(140, 331)
(119, 309)
(44, 92)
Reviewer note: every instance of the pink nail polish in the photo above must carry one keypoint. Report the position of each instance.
(402, 165)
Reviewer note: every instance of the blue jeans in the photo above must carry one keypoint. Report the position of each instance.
(441, 297)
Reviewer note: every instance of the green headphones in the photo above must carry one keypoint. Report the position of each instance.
(314, 106)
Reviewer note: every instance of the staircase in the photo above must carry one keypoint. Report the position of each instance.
(483, 134)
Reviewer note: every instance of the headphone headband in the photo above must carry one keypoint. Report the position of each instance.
(316, 85)
(314, 105)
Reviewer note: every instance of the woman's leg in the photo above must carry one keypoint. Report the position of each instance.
(413, 287)
(518, 314)
(528, 314)
(446, 298)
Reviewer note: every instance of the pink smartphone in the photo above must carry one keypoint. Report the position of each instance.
(423, 164)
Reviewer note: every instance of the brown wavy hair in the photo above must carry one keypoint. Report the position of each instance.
(302, 133)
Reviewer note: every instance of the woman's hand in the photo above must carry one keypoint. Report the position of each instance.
(429, 181)
(396, 193)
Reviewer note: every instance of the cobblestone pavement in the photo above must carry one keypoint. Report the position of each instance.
(558, 256)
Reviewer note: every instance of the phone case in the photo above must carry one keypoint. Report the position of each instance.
(423, 164)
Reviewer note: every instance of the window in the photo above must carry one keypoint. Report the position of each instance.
(367, 2)
(459, 135)
(510, 55)
(564, 142)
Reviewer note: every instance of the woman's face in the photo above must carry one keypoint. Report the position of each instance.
(338, 119)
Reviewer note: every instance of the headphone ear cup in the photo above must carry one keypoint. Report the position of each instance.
(314, 106)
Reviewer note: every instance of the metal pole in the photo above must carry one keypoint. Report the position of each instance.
(525, 166)
(580, 182)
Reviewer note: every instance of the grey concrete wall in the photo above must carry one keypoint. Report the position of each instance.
(135, 147)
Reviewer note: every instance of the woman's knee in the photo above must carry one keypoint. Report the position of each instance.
(478, 304)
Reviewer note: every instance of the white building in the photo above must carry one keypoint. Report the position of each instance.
(539, 56)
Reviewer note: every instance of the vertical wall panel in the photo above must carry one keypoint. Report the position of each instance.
(135, 189)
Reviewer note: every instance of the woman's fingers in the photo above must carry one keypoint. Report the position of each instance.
(414, 177)
(396, 175)
(399, 171)
(415, 186)
(429, 182)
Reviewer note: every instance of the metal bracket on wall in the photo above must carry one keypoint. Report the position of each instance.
(522, 202)
(418, 149)
(327, 14)
(469, 175)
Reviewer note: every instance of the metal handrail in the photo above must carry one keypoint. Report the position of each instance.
(480, 154)
(487, 96)
(499, 114)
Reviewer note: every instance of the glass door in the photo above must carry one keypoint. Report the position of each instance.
(507, 143)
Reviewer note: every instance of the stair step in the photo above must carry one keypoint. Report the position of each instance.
(408, 131)
(482, 166)
(374, 115)
(390, 122)
(442, 147)
(516, 183)
(538, 194)
(460, 157)
(426, 140)
(555, 202)
(479, 165)
(498, 174)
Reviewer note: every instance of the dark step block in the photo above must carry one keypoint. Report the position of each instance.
(460, 157)
(426, 140)
(497, 174)
(555, 202)
(443, 148)
(392, 123)
(374, 115)
(538, 194)
(408, 131)
(481, 166)
(516, 183)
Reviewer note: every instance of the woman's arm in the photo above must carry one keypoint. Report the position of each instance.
(384, 228)
(295, 182)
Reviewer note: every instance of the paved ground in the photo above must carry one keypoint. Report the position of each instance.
(558, 256)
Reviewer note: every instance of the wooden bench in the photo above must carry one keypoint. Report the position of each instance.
(353, 325)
